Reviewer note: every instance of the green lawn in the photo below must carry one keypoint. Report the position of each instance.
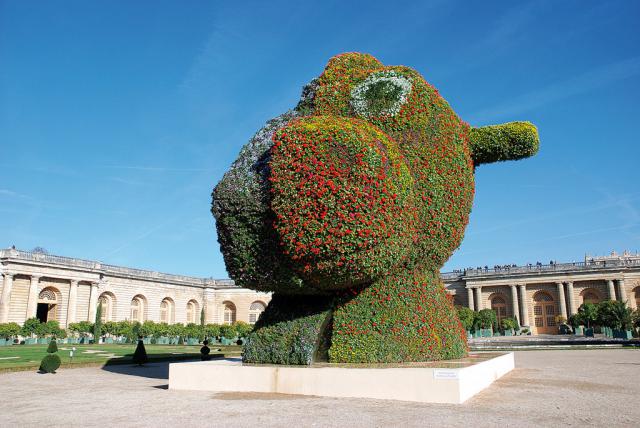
(23, 357)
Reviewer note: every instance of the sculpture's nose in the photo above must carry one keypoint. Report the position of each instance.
(509, 141)
(339, 193)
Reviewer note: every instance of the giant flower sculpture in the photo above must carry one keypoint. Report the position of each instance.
(347, 207)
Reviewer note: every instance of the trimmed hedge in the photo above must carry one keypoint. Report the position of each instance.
(50, 363)
(348, 207)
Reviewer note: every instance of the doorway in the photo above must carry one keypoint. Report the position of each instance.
(544, 313)
(47, 309)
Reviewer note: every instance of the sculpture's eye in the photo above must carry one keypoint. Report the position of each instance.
(380, 94)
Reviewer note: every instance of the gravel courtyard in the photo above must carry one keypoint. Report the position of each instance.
(547, 388)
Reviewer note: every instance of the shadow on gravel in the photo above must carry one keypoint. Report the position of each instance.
(159, 370)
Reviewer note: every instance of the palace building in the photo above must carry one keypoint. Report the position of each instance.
(537, 295)
(68, 290)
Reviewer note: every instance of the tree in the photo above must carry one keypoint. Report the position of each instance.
(588, 313)
(242, 328)
(485, 318)
(97, 326)
(212, 330)
(30, 327)
(202, 317)
(614, 314)
(9, 330)
(466, 316)
(53, 346)
(140, 354)
(228, 331)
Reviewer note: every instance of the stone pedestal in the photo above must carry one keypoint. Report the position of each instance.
(451, 382)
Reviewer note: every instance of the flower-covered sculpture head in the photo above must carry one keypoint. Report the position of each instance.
(371, 173)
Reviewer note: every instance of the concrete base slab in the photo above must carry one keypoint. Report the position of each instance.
(453, 381)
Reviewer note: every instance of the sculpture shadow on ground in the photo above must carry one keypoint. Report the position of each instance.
(155, 370)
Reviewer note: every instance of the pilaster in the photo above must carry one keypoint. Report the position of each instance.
(612, 289)
(478, 298)
(5, 297)
(73, 302)
(572, 301)
(93, 301)
(470, 299)
(621, 291)
(514, 303)
(523, 303)
(562, 301)
(32, 300)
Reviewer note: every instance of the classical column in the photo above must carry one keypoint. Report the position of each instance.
(612, 289)
(5, 298)
(523, 303)
(562, 301)
(478, 298)
(572, 302)
(632, 301)
(73, 302)
(514, 303)
(470, 298)
(621, 291)
(32, 301)
(93, 301)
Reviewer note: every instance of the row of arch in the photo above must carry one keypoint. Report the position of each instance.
(138, 309)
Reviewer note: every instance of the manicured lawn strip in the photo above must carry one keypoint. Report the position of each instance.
(29, 356)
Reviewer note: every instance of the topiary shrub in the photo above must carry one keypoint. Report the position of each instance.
(140, 354)
(347, 207)
(50, 363)
(53, 347)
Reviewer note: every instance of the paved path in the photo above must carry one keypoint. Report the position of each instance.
(547, 388)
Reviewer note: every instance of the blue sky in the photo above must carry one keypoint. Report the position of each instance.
(117, 118)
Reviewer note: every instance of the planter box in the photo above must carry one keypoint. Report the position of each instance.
(84, 340)
(4, 342)
(108, 340)
(30, 341)
(508, 332)
(622, 334)
(173, 341)
(578, 331)
(192, 341)
(162, 340)
(588, 332)
(486, 332)
(42, 341)
(146, 341)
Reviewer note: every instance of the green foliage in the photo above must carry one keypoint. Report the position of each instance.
(110, 328)
(147, 329)
(212, 330)
(509, 141)
(53, 347)
(466, 317)
(242, 328)
(50, 363)
(10, 330)
(575, 320)
(194, 330)
(140, 354)
(587, 314)
(83, 328)
(509, 324)
(485, 318)
(30, 326)
(162, 329)
(228, 331)
(202, 317)
(97, 325)
(348, 213)
(288, 331)
(614, 314)
(176, 330)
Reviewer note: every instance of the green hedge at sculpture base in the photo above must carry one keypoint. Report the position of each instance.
(50, 363)
(290, 331)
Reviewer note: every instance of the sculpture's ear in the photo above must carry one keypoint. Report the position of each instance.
(509, 141)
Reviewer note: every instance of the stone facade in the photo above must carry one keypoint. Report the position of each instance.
(539, 294)
(68, 290)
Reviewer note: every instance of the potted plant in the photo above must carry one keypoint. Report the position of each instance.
(228, 333)
(211, 332)
(615, 316)
(147, 330)
(175, 332)
(588, 313)
(563, 327)
(162, 333)
(508, 325)
(7, 332)
(193, 333)
(575, 322)
(484, 320)
(29, 330)
(466, 316)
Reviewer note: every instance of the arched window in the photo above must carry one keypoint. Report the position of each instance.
(192, 312)
(108, 303)
(48, 303)
(255, 310)
(167, 311)
(499, 306)
(590, 296)
(138, 307)
(229, 313)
